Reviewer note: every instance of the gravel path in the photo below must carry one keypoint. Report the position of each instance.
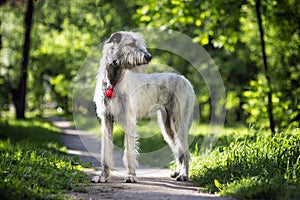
(153, 183)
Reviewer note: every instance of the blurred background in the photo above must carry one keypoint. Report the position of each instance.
(262, 88)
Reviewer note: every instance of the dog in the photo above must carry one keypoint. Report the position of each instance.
(124, 94)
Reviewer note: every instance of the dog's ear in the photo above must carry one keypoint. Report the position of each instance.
(115, 38)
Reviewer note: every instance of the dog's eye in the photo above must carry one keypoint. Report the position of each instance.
(132, 44)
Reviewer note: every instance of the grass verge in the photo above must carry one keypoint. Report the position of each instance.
(32, 162)
(252, 167)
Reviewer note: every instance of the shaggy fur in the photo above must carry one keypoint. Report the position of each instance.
(136, 95)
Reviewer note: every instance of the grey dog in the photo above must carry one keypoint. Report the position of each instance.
(125, 94)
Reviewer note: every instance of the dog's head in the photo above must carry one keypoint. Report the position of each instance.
(127, 50)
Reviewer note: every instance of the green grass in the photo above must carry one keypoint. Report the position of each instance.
(258, 166)
(33, 164)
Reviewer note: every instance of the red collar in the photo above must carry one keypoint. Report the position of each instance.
(110, 90)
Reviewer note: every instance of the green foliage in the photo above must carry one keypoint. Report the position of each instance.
(282, 49)
(65, 32)
(252, 167)
(32, 164)
(215, 25)
(229, 31)
(284, 111)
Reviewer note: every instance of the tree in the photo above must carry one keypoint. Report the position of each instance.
(265, 67)
(19, 93)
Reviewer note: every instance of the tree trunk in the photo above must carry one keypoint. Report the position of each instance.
(265, 67)
(19, 94)
(0, 35)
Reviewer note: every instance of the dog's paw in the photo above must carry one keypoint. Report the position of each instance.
(182, 178)
(95, 179)
(99, 179)
(130, 179)
(174, 174)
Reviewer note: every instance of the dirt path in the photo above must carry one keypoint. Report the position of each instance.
(153, 183)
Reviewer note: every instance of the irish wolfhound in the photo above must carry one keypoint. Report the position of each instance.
(124, 94)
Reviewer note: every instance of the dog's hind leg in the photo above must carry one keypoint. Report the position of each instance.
(175, 135)
(181, 125)
(183, 159)
(164, 122)
(182, 155)
(130, 152)
(181, 128)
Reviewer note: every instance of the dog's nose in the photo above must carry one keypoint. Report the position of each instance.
(148, 57)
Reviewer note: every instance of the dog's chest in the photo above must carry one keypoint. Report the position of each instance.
(117, 105)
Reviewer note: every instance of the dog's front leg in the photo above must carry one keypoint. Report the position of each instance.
(130, 153)
(106, 147)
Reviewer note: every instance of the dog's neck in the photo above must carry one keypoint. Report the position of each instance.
(115, 73)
